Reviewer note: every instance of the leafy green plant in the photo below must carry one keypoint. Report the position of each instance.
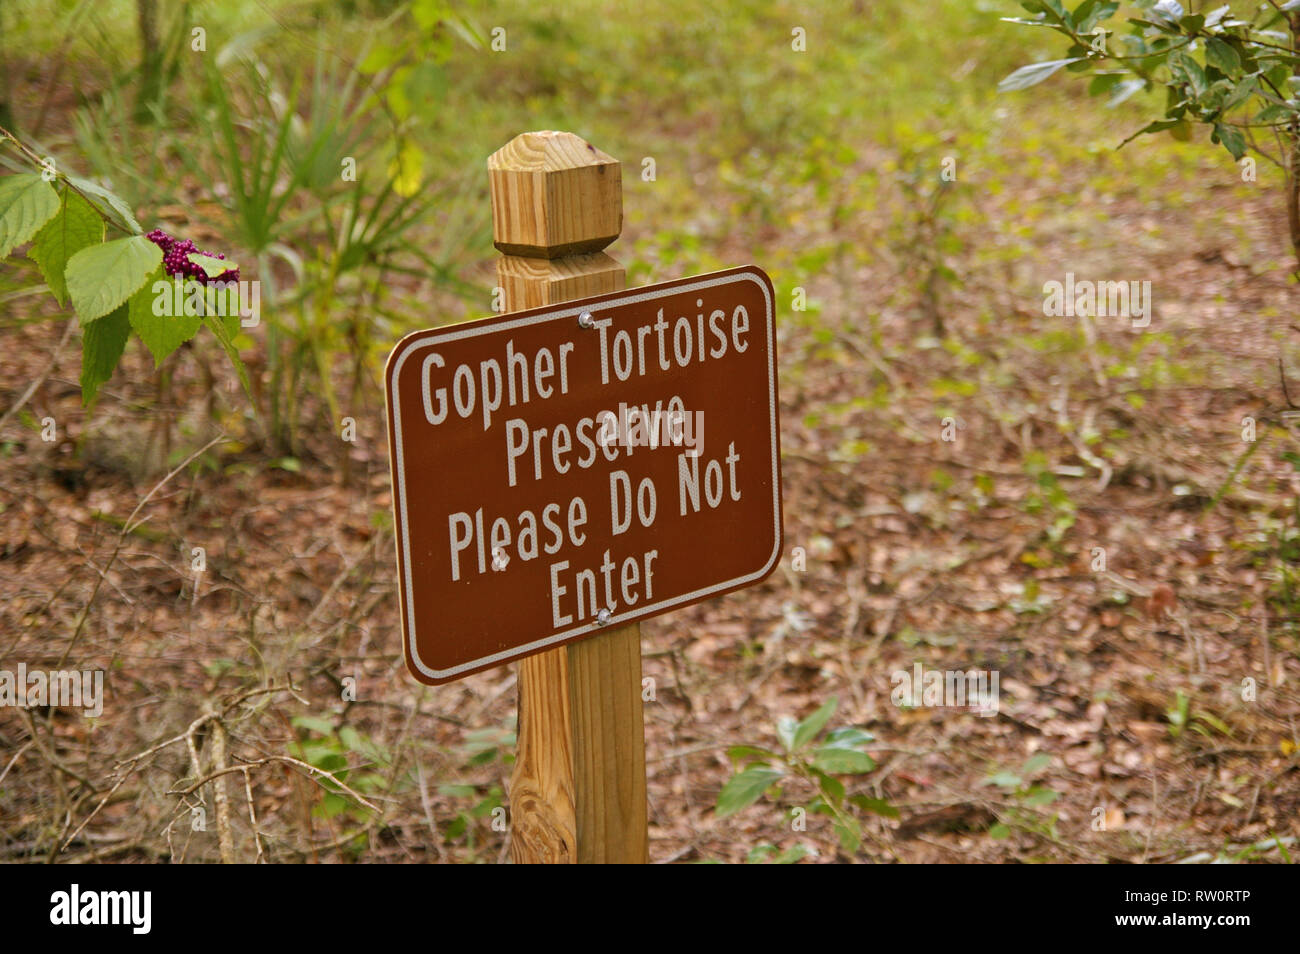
(482, 747)
(109, 282)
(1238, 74)
(814, 760)
(323, 184)
(926, 239)
(327, 748)
(1181, 717)
(766, 854)
(1028, 796)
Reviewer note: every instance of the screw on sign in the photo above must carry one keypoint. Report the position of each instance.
(552, 478)
(564, 471)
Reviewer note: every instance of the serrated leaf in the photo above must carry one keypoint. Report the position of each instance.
(109, 205)
(1033, 74)
(76, 226)
(746, 788)
(811, 727)
(102, 343)
(104, 276)
(150, 311)
(26, 203)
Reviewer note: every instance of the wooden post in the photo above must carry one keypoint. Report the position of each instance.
(578, 790)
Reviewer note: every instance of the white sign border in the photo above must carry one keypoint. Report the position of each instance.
(458, 332)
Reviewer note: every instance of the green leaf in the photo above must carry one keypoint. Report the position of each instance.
(877, 806)
(457, 790)
(1242, 92)
(831, 788)
(211, 265)
(800, 851)
(1223, 56)
(1039, 796)
(849, 735)
(738, 752)
(427, 13)
(102, 343)
(842, 760)
(811, 727)
(1105, 82)
(745, 789)
(999, 832)
(1231, 138)
(26, 203)
(1124, 91)
(109, 205)
(221, 328)
(1024, 21)
(313, 724)
(786, 726)
(76, 226)
(1036, 763)
(1004, 780)
(330, 806)
(1277, 112)
(1033, 74)
(1187, 70)
(104, 276)
(150, 314)
(850, 831)
(1091, 12)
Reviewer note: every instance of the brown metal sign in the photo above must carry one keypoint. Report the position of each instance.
(565, 469)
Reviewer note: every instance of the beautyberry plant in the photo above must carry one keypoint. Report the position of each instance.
(108, 282)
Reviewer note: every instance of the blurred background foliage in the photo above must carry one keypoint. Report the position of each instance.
(239, 119)
(905, 297)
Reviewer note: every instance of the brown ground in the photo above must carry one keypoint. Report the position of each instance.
(910, 558)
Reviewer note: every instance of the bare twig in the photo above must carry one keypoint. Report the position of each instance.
(40, 378)
(127, 527)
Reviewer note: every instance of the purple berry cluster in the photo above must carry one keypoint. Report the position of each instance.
(176, 259)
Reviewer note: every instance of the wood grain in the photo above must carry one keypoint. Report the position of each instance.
(578, 790)
(554, 195)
